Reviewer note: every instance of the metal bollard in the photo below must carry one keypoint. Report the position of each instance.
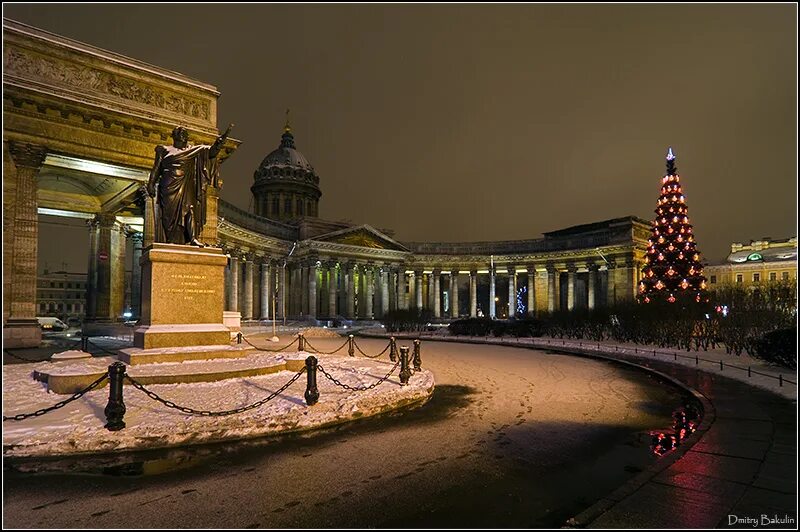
(417, 356)
(85, 344)
(239, 337)
(780, 379)
(405, 372)
(115, 409)
(301, 342)
(312, 393)
(676, 355)
(720, 365)
(392, 349)
(696, 360)
(350, 350)
(748, 372)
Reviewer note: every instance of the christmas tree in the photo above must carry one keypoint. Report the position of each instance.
(672, 269)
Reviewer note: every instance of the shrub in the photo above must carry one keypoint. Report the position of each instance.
(778, 347)
(414, 320)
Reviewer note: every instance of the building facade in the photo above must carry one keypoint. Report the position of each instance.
(759, 261)
(61, 295)
(80, 128)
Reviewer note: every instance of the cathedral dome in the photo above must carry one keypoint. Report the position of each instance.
(286, 186)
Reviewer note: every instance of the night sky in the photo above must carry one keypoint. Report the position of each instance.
(478, 122)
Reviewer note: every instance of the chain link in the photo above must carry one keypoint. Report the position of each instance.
(251, 344)
(357, 388)
(188, 410)
(372, 356)
(60, 404)
(315, 350)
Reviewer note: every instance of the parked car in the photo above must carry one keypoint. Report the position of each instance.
(74, 321)
(52, 324)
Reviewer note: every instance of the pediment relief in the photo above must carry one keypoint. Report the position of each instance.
(364, 237)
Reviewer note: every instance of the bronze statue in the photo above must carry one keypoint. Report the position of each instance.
(182, 173)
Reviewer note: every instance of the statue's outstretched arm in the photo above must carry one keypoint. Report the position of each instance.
(217, 146)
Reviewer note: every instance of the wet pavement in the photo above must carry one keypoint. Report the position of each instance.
(511, 438)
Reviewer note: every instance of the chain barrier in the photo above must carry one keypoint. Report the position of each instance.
(12, 355)
(208, 413)
(313, 349)
(372, 356)
(251, 344)
(357, 388)
(60, 404)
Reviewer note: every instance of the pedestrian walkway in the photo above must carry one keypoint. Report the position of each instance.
(740, 467)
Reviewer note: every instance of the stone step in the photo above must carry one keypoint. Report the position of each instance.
(69, 377)
(133, 356)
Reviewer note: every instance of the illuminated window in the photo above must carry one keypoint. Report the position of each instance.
(756, 277)
(773, 276)
(713, 279)
(739, 278)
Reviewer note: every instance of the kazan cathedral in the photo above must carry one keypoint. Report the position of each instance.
(80, 127)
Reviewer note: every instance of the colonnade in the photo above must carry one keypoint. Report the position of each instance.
(327, 288)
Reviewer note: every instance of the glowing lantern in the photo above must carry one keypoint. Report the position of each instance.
(659, 285)
(670, 272)
(685, 284)
(671, 298)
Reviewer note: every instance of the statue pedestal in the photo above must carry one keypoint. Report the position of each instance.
(183, 292)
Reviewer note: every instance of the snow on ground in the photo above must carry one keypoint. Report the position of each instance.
(78, 427)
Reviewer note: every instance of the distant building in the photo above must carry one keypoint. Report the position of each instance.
(61, 294)
(759, 261)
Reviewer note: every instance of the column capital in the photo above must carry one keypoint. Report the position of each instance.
(473, 272)
(531, 269)
(571, 267)
(592, 267)
(550, 267)
(453, 273)
(437, 271)
(27, 155)
(105, 219)
(511, 269)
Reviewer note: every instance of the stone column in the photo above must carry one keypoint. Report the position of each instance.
(531, 290)
(384, 290)
(402, 296)
(369, 292)
(473, 293)
(20, 327)
(454, 294)
(492, 307)
(429, 304)
(108, 267)
(233, 295)
(418, 289)
(512, 291)
(303, 269)
(571, 270)
(437, 293)
(351, 291)
(333, 292)
(626, 280)
(266, 289)
(91, 275)
(312, 289)
(280, 290)
(610, 288)
(591, 285)
(551, 288)
(247, 300)
(136, 275)
(541, 285)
